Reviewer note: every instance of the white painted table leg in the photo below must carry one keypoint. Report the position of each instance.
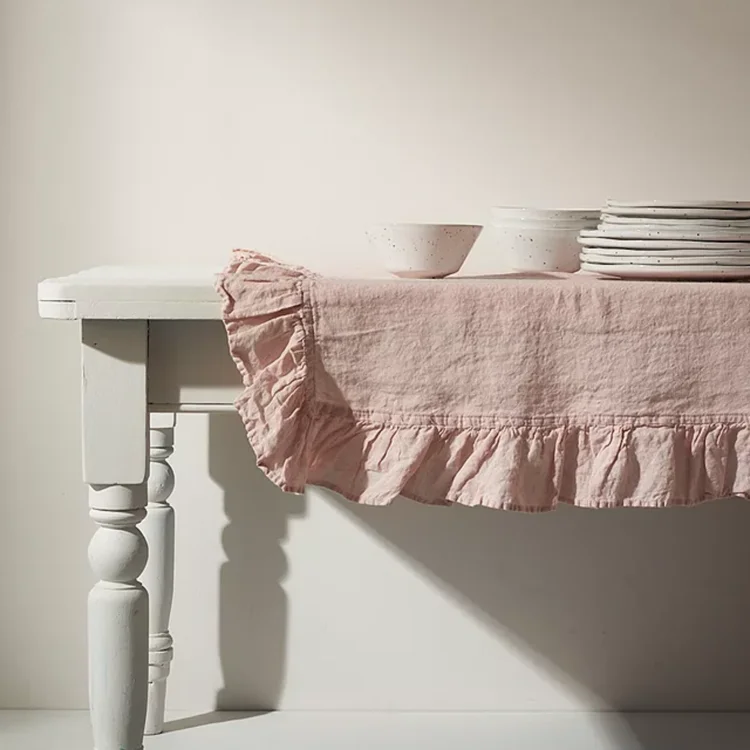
(118, 618)
(114, 364)
(158, 578)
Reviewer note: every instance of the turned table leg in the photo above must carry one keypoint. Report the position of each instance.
(115, 444)
(158, 578)
(118, 618)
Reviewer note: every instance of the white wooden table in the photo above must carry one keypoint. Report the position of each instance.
(152, 345)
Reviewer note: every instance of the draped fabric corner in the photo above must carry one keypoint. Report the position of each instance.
(516, 394)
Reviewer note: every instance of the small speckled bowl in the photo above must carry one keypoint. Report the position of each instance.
(535, 249)
(423, 251)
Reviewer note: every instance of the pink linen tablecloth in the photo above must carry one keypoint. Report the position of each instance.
(503, 392)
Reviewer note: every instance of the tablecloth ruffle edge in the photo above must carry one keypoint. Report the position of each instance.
(511, 466)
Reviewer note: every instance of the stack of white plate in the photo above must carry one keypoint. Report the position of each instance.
(670, 240)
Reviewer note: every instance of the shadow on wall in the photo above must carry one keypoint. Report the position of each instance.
(639, 609)
(252, 602)
(686, 731)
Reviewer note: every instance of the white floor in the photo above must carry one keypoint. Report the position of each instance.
(69, 730)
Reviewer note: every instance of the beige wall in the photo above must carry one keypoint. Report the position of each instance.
(170, 131)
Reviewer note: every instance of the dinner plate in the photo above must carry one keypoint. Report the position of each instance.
(658, 244)
(671, 253)
(686, 224)
(705, 273)
(664, 260)
(680, 213)
(679, 204)
(651, 237)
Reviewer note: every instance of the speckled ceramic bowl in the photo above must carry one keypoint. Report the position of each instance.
(423, 251)
(534, 249)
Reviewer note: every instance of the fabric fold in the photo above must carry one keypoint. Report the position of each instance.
(266, 330)
(298, 407)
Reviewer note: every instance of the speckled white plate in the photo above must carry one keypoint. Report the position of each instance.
(656, 238)
(616, 252)
(679, 213)
(589, 256)
(679, 204)
(702, 273)
(680, 224)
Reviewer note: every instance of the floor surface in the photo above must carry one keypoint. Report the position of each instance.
(69, 730)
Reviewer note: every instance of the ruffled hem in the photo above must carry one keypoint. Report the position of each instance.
(506, 463)
(269, 335)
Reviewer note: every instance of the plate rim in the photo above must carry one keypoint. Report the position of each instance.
(679, 204)
(679, 213)
(706, 272)
(668, 260)
(700, 238)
